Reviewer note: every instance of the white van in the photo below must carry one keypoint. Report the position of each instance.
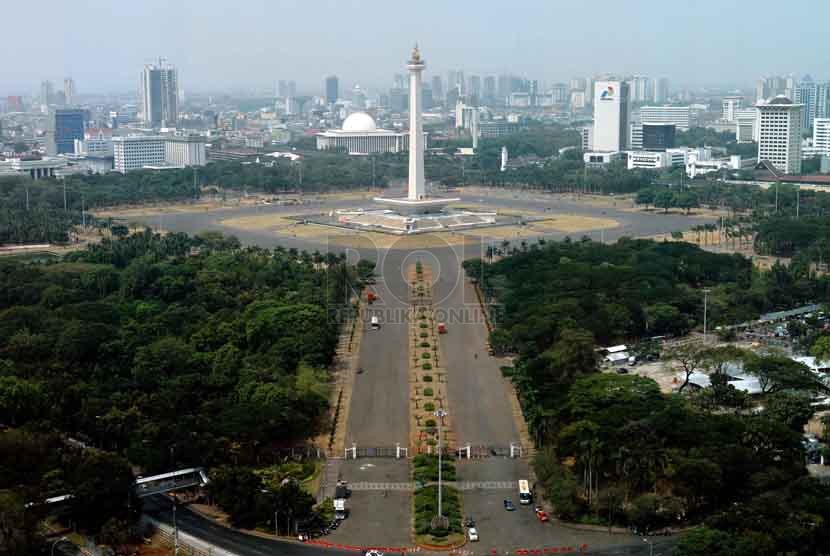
(375, 323)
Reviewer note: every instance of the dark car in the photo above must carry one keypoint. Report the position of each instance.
(469, 521)
(508, 505)
(622, 371)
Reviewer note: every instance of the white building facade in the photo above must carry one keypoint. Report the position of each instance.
(779, 140)
(361, 136)
(680, 116)
(611, 116)
(821, 135)
(133, 153)
(185, 151)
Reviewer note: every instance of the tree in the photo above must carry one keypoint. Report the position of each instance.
(18, 530)
(101, 483)
(235, 490)
(821, 348)
(686, 200)
(687, 359)
(791, 408)
(664, 199)
(645, 197)
(778, 372)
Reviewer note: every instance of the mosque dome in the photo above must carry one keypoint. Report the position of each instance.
(359, 122)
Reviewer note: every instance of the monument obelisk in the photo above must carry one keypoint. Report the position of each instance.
(417, 189)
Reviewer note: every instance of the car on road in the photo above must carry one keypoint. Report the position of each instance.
(472, 534)
(508, 505)
(373, 553)
(541, 514)
(469, 521)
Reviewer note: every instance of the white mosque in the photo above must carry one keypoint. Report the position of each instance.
(360, 135)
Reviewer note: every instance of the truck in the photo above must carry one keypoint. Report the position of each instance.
(442, 328)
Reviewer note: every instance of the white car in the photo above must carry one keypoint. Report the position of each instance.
(472, 534)
(373, 553)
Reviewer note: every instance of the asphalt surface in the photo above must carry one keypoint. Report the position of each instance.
(379, 415)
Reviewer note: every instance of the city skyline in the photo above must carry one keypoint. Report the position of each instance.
(557, 43)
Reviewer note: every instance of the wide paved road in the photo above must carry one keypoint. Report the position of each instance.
(379, 414)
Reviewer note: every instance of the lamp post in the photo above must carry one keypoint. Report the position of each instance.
(440, 414)
(650, 546)
(56, 543)
(705, 311)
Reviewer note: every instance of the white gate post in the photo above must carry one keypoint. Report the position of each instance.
(397, 450)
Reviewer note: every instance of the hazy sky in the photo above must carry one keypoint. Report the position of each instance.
(233, 44)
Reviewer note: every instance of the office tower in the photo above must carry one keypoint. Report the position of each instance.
(577, 84)
(779, 138)
(730, 105)
(475, 86)
(331, 89)
(559, 93)
(489, 90)
(399, 82)
(680, 116)
(69, 126)
(611, 116)
(816, 100)
(503, 87)
(160, 94)
(69, 91)
(291, 89)
(427, 101)
(661, 90)
(133, 153)
(638, 87)
(437, 88)
(461, 83)
(282, 88)
(658, 137)
(821, 135)
(398, 100)
(769, 87)
(46, 92)
(746, 125)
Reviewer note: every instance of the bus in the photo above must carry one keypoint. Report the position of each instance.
(524, 492)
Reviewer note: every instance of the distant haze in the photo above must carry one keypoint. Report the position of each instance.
(222, 45)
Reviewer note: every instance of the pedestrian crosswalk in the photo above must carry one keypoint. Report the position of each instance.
(410, 486)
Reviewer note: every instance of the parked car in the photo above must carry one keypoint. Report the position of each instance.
(622, 371)
(508, 506)
(472, 534)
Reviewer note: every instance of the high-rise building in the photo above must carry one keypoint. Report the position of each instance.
(639, 88)
(611, 116)
(332, 90)
(746, 125)
(661, 90)
(771, 86)
(47, 92)
(69, 126)
(779, 137)
(399, 81)
(282, 88)
(730, 106)
(133, 153)
(559, 93)
(821, 135)
(816, 100)
(160, 94)
(658, 137)
(437, 88)
(398, 99)
(14, 103)
(503, 87)
(489, 89)
(185, 151)
(680, 116)
(475, 86)
(69, 91)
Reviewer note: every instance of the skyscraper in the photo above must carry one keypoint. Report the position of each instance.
(69, 91)
(489, 90)
(475, 86)
(331, 89)
(661, 90)
(437, 88)
(779, 138)
(160, 94)
(816, 100)
(47, 92)
(611, 116)
(69, 126)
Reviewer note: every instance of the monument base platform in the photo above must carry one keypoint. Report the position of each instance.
(405, 205)
(398, 223)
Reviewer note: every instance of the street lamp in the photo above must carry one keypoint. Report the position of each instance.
(650, 546)
(705, 310)
(440, 414)
(56, 543)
